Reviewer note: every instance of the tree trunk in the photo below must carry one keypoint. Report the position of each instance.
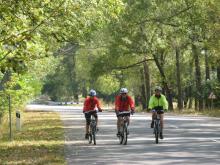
(143, 98)
(196, 104)
(137, 100)
(218, 71)
(143, 91)
(189, 97)
(207, 70)
(207, 77)
(84, 90)
(6, 78)
(190, 86)
(179, 86)
(198, 77)
(165, 84)
(190, 103)
(185, 98)
(169, 95)
(147, 82)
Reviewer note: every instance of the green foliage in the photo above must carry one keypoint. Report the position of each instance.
(154, 29)
(216, 91)
(107, 84)
(101, 43)
(31, 31)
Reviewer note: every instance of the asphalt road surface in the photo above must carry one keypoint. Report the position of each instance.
(187, 140)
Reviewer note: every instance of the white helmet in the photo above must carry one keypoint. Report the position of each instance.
(124, 90)
(92, 92)
(158, 88)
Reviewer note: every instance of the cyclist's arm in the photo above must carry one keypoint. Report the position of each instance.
(85, 106)
(131, 103)
(117, 102)
(151, 105)
(165, 103)
(98, 105)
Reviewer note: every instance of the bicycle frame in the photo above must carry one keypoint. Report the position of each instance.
(157, 127)
(123, 129)
(92, 130)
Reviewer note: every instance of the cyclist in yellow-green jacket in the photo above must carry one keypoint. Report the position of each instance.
(158, 104)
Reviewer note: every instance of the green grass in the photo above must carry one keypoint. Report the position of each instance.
(212, 113)
(41, 141)
(206, 112)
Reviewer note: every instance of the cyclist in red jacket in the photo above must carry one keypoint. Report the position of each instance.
(89, 109)
(125, 104)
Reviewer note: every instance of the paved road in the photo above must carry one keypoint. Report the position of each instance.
(188, 140)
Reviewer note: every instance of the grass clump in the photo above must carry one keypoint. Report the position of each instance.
(205, 112)
(41, 141)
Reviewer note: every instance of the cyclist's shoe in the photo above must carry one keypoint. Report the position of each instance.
(161, 135)
(118, 134)
(86, 136)
(152, 124)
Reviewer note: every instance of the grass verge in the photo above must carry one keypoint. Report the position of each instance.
(41, 141)
(206, 112)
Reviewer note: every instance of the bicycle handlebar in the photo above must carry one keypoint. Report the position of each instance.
(154, 110)
(90, 111)
(125, 112)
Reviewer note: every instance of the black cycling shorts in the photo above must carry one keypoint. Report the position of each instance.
(158, 111)
(88, 116)
(123, 114)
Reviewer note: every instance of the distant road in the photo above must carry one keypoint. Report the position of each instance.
(188, 140)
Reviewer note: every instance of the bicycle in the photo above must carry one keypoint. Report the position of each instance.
(157, 127)
(123, 130)
(93, 129)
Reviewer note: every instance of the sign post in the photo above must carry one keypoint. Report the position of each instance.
(212, 96)
(10, 119)
(18, 121)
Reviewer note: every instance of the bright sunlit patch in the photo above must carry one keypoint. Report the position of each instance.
(73, 127)
(31, 143)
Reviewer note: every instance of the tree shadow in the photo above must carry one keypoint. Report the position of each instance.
(187, 141)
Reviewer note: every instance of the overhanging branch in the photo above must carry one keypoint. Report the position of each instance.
(53, 14)
(162, 20)
(6, 54)
(132, 65)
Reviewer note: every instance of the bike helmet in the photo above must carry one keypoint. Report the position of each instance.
(124, 90)
(158, 88)
(92, 92)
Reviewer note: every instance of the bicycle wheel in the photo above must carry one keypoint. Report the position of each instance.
(94, 135)
(90, 138)
(156, 132)
(121, 136)
(125, 134)
(90, 133)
